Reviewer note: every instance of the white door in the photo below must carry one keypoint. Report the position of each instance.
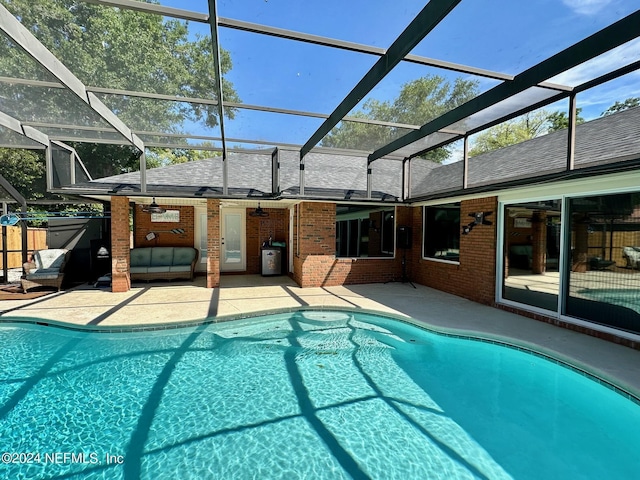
(201, 238)
(290, 255)
(233, 256)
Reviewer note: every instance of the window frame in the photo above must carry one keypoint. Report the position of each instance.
(425, 233)
(363, 233)
(611, 185)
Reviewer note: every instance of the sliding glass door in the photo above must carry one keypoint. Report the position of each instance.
(580, 260)
(603, 277)
(531, 254)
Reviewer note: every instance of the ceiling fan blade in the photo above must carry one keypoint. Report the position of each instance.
(259, 212)
(153, 207)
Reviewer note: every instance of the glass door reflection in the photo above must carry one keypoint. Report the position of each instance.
(532, 253)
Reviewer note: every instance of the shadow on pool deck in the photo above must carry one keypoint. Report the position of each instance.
(163, 302)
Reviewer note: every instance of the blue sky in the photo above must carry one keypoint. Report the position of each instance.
(502, 35)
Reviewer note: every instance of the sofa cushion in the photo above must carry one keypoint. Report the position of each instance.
(521, 250)
(161, 256)
(49, 258)
(140, 257)
(158, 269)
(180, 268)
(44, 274)
(183, 256)
(138, 269)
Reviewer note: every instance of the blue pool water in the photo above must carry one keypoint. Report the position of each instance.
(317, 395)
(625, 297)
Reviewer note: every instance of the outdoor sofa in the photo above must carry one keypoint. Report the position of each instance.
(46, 269)
(168, 263)
(521, 256)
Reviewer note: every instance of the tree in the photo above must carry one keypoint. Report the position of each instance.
(160, 157)
(103, 160)
(115, 48)
(419, 101)
(24, 170)
(560, 120)
(620, 106)
(511, 132)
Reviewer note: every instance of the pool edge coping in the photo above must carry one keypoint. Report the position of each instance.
(618, 386)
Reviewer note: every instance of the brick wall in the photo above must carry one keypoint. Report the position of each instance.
(213, 243)
(258, 231)
(315, 263)
(120, 244)
(474, 278)
(164, 238)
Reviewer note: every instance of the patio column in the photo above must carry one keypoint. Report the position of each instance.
(213, 242)
(120, 244)
(539, 242)
(580, 254)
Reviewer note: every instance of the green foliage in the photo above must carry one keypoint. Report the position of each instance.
(161, 157)
(122, 49)
(39, 215)
(102, 160)
(511, 132)
(620, 106)
(115, 48)
(560, 120)
(419, 102)
(532, 125)
(24, 170)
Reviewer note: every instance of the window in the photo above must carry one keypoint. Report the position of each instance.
(441, 237)
(364, 231)
(603, 269)
(203, 238)
(387, 232)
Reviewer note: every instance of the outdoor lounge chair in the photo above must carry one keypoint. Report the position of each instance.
(632, 256)
(46, 269)
(599, 263)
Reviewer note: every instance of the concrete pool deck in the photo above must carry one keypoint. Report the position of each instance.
(161, 303)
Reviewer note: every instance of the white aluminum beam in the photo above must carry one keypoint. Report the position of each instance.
(153, 8)
(303, 37)
(38, 52)
(217, 72)
(15, 125)
(205, 101)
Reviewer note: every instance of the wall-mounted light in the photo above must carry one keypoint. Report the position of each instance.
(479, 218)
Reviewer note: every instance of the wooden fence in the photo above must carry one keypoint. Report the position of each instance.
(36, 240)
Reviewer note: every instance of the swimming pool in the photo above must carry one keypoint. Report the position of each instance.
(625, 297)
(308, 394)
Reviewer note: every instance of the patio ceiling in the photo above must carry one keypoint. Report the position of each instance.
(300, 76)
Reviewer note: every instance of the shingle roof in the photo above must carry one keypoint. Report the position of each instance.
(613, 138)
(249, 174)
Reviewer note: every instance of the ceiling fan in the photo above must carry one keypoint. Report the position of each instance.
(153, 207)
(259, 212)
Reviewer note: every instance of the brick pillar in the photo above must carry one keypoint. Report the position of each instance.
(120, 244)
(404, 217)
(316, 243)
(579, 260)
(539, 242)
(213, 243)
